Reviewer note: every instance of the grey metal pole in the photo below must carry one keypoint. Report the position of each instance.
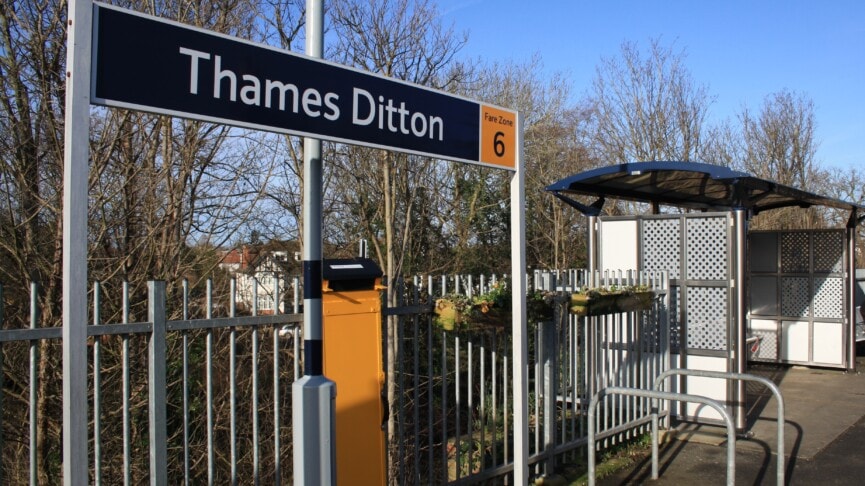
(519, 350)
(127, 396)
(592, 245)
(97, 390)
(75, 175)
(313, 411)
(740, 312)
(34, 387)
(156, 379)
(186, 465)
(851, 290)
(3, 380)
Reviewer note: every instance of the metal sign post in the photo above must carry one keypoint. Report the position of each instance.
(76, 154)
(314, 408)
(519, 352)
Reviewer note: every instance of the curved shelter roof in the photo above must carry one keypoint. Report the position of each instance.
(689, 185)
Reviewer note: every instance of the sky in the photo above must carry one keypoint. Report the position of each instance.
(742, 51)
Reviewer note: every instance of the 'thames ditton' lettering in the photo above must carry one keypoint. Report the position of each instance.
(416, 123)
(367, 109)
(310, 100)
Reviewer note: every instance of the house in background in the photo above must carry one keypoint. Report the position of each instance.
(263, 275)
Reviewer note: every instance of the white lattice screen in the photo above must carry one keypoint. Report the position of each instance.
(802, 296)
(695, 250)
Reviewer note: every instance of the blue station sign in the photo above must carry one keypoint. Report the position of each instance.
(151, 64)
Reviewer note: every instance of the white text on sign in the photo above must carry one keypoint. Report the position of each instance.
(367, 109)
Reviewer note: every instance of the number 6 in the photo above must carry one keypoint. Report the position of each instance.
(499, 144)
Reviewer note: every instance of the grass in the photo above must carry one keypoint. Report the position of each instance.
(611, 461)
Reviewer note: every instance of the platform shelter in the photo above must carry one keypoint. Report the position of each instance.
(737, 295)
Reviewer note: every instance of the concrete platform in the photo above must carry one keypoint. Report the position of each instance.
(824, 435)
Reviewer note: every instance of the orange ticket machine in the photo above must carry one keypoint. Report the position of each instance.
(352, 352)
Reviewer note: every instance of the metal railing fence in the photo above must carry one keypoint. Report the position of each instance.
(455, 393)
(191, 401)
(195, 393)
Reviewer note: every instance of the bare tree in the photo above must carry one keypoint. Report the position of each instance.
(779, 139)
(555, 145)
(778, 144)
(849, 185)
(647, 107)
(32, 53)
(163, 192)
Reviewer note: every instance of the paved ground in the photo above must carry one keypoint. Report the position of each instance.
(824, 436)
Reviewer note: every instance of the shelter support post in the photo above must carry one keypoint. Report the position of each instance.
(851, 290)
(740, 312)
(592, 245)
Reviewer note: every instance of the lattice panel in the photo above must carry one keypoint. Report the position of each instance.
(794, 253)
(661, 246)
(706, 249)
(707, 318)
(768, 345)
(828, 252)
(795, 298)
(829, 298)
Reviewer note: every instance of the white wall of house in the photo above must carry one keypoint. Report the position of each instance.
(262, 281)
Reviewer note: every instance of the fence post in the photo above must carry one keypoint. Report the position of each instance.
(549, 346)
(2, 379)
(548, 360)
(295, 307)
(34, 385)
(666, 320)
(157, 383)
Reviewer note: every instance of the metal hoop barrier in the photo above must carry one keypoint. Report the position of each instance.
(733, 376)
(661, 395)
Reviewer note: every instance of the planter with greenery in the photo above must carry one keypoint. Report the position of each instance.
(492, 308)
(451, 311)
(611, 300)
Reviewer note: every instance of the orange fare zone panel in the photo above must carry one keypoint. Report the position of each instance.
(498, 137)
(353, 360)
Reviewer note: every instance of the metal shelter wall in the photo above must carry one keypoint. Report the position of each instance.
(697, 251)
(798, 297)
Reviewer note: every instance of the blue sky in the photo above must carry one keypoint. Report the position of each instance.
(741, 50)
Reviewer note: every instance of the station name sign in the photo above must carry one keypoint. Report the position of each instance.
(146, 63)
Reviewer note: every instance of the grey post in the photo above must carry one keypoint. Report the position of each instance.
(157, 384)
(549, 346)
(520, 354)
(34, 386)
(740, 311)
(851, 289)
(76, 150)
(313, 412)
(592, 244)
(2, 378)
